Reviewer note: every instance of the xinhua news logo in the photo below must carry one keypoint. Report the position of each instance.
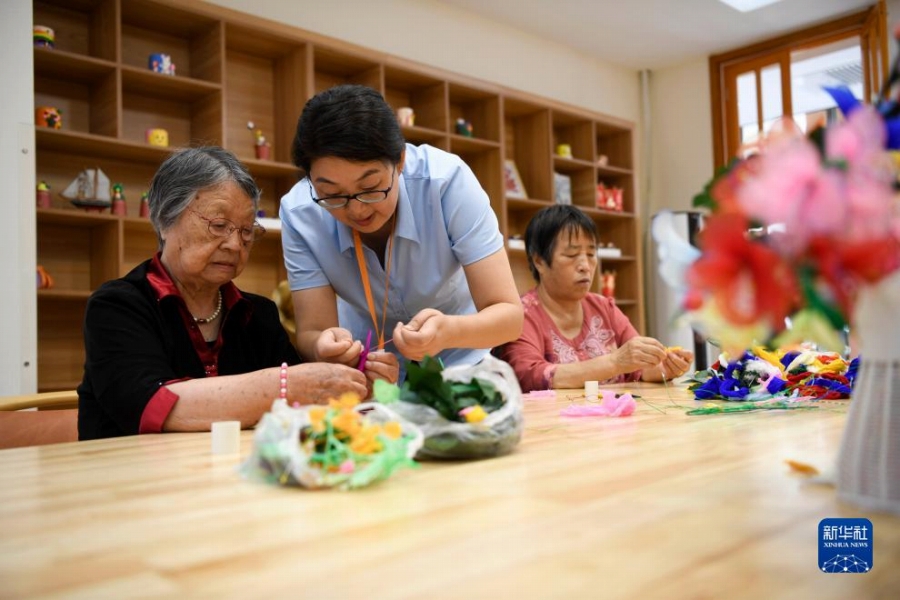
(845, 545)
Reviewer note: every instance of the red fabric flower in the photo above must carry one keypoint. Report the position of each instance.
(748, 280)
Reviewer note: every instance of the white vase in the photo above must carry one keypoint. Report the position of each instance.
(868, 468)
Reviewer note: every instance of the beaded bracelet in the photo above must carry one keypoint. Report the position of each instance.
(283, 393)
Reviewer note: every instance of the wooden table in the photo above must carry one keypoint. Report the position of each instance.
(657, 505)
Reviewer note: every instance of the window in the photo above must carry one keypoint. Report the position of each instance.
(753, 87)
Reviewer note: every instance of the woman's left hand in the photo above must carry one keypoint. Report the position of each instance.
(676, 363)
(381, 365)
(422, 336)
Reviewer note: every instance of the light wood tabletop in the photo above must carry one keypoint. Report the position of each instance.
(656, 505)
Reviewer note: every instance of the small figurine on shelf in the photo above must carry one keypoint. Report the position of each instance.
(564, 150)
(89, 191)
(145, 206)
(44, 281)
(261, 145)
(464, 127)
(48, 116)
(608, 284)
(161, 63)
(44, 37)
(43, 195)
(157, 137)
(406, 116)
(118, 200)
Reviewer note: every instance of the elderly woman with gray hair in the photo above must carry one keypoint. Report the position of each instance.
(175, 345)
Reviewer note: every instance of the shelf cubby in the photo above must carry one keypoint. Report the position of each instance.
(82, 27)
(478, 107)
(426, 95)
(527, 138)
(577, 132)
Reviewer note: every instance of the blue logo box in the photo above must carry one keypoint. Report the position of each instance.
(845, 545)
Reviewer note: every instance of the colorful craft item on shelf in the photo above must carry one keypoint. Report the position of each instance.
(157, 137)
(344, 445)
(406, 116)
(761, 374)
(144, 212)
(261, 147)
(44, 280)
(609, 198)
(464, 127)
(89, 191)
(564, 150)
(44, 37)
(48, 116)
(42, 195)
(161, 63)
(608, 284)
(118, 200)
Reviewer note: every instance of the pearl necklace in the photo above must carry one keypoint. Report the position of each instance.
(212, 317)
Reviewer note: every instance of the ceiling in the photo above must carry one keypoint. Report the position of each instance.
(654, 34)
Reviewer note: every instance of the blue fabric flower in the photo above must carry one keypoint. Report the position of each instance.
(848, 103)
(709, 390)
(775, 385)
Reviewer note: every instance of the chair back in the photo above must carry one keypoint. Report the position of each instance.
(54, 421)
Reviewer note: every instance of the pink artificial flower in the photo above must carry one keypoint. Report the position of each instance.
(791, 188)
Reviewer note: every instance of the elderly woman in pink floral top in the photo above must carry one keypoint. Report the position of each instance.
(572, 335)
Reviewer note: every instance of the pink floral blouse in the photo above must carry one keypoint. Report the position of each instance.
(541, 347)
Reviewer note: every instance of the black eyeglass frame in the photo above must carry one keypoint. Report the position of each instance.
(255, 232)
(323, 202)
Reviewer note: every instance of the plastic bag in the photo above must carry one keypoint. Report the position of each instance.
(496, 435)
(279, 456)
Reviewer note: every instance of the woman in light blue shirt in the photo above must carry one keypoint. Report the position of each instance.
(390, 242)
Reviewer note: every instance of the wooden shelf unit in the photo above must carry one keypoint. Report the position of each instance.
(232, 69)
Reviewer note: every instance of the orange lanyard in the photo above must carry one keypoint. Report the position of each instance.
(364, 275)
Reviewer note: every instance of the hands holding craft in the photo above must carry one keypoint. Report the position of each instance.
(336, 345)
(657, 362)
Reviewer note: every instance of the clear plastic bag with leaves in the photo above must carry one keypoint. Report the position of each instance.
(466, 411)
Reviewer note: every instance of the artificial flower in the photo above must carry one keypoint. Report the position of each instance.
(794, 233)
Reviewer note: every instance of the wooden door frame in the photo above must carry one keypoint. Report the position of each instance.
(857, 24)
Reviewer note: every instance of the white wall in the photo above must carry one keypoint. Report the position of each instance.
(18, 311)
(679, 157)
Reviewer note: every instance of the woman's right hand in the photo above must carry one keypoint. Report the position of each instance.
(639, 353)
(336, 345)
(317, 383)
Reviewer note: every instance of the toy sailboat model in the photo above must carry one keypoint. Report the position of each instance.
(90, 190)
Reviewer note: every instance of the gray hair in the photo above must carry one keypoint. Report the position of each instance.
(186, 173)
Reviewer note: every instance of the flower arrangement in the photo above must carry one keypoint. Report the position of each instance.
(463, 411)
(795, 231)
(345, 444)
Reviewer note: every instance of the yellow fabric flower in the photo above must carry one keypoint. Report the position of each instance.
(348, 421)
(473, 414)
(317, 418)
(366, 440)
(347, 400)
(773, 358)
(393, 430)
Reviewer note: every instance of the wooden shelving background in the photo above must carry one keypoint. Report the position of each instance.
(233, 68)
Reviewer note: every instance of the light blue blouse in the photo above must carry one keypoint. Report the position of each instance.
(444, 221)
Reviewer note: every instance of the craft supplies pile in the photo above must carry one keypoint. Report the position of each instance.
(458, 412)
(344, 445)
(760, 374)
(463, 411)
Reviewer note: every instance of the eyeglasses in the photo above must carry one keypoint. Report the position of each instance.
(340, 201)
(223, 228)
